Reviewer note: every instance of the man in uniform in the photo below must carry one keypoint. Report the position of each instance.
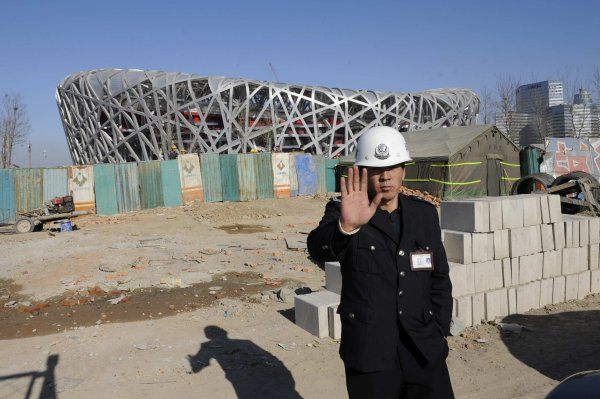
(396, 302)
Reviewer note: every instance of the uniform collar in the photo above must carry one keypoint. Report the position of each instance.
(381, 220)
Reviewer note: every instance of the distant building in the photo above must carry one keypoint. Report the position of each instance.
(536, 97)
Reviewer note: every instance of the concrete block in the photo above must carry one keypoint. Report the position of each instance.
(514, 271)
(558, 289)
(524, 241)
(495, 207)
(454, 307)
(584, 284)
(595, 281)
(552, 264)
(458, 246)
(559, 235)
(512, 300)
(335, 323)
(483, 247)
(333, 277)
(547, 234)
(530, 268)
(506, 272)
(571, 287)
(584, 232)
(593, 256)
(311, 311)
(469, 216)
(554, 206)
(570, 261)
(464, 310)
(546, 289)
(575, 243)
(470, 275)
(594, 230)
(512, 212)
(568, 233)
(501, 244)
(545, 208)
(584, 254)
(478, 306)
(528, 297)
(496, 304)
(488, 275)
(532, 211)
(458, 277)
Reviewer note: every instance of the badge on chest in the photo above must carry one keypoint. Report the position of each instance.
(421, 261)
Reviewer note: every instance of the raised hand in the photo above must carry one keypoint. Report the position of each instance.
(356, 208)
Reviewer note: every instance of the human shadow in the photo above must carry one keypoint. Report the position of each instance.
(48, 390)
(557, 345)
(253, 371)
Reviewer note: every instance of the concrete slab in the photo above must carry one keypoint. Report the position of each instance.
(584, 284)
(488, 275)
(501, 249)
(333, 277)
(469, 216)
(528, 297)
(530, 268)
(559, 235)
(594, 230)
(464, 310)
(512, 301)
(558, 289)
(311, 311)
(506, 272)
(524, 241)
(483, 247)
(554, 206)
(546, 231)
(512, 212)
(593, 256)
(571, 287)
(478, 306)
(595, 281)
(335, 323)
(496, 304)
(552, 264)
(514, 271)
(458, 246)
(458, 277)
(546, 289)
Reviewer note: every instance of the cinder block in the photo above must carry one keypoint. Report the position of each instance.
(559, 235)
(512, 212)
(470, 274)
(311, 311)
(514, 271)
(483, 247)
(524, 241)
(454, 307)
(584, 231)
(512, 300)
(532, 211)
(458, 277)
(552, 264)
(575, 233)
(568, 233)
(488, 275)
(555, 210)
(584, 254)
(458, 246)
(545, 208)
(594, 229)
(501, 244)
(506, 272)
(495, 207)
(496, 304)
(547, 237)
(571, 287)
(335, 323)
(469, 216)
(546, 288)
(530, 268)
(333, 277)
(464, 310)
(595, 281)
(570, 261)
(478, 305)
(528, 297)
(584, 284)
(594, 256)
(558, 289)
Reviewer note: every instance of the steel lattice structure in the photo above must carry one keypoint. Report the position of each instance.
(120, 115)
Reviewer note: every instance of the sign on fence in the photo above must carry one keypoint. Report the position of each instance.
(81, 187)
(281, 174)
(191, 179)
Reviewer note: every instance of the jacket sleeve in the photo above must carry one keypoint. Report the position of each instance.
(441, 286)
(326, 243)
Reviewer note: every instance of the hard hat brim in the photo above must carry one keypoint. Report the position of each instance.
(377, 163)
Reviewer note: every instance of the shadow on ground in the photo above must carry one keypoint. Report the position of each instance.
(25, 388)
(557, 345)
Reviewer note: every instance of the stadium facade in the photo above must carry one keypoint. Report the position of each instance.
(122, 115)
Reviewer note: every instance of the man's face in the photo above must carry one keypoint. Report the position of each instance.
(386, 181)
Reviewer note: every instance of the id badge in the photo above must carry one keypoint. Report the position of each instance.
(421, 261)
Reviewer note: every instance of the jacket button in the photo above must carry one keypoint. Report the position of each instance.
(400, 293)
(372, 248)
(427, 248)
(401, 253)
(399, 313)
(351, 315)
(325, 247)
(431, 312)
(402, 274)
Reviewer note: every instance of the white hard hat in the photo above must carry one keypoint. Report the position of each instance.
(381, 146)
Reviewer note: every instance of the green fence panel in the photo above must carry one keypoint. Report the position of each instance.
(8, 199)
(151, 192)
(331, 175)
(229, 177)
(128, 187)
(55, 183)
(105, 189)
(171, 183)
(247, 171)
(29, 188)
(211, 177)
(265, 175)
(321, 171)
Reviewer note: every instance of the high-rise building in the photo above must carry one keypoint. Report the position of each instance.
(536, 97)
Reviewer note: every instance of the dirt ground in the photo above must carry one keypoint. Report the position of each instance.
(198, 301)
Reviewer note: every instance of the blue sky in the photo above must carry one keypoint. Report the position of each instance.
(378, 45)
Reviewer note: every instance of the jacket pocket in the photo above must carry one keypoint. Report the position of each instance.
(354, 312)
(368, 250)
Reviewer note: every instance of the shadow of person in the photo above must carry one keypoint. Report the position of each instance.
(253, 371)
(48, 390)
(557, 345)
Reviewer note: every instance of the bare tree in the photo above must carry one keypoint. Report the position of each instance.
(596, 83)
(486, 105)
(14, 126)
(505, 104)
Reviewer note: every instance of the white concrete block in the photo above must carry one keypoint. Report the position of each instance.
(458, 277)
(575, 233)
(512, 300)
(558, 289)
(545, 208)
(555, 211)
(559, 235)
(552, 264)
(571, 287)
(464, 310)
(584, 254)
(547, 237)
(501, 250)
(506, 272)
(488, 275)
(530, 268)
(595, 281)
(528, 297)
(335, 323)
(594, 230)
(568, 233)
(459, 247)
(311, 311)
(514, 271)
(333, 277)
(454, 307)
(512, 212)
(584, 284)
(495, 207)
(546, 289)
(470, 216)
(470, 275)
(478, 305)
(496, 304)
(483, 247)
(570, 261)
(524, 241)
(593, 256)
(584, 231)
(532, 211)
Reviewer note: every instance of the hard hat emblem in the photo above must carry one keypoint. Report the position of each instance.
(382, 151)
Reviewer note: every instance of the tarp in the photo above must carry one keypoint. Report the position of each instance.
(281, 174)
(191, 178)
(81, 187)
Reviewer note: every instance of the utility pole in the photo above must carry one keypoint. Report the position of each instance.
(29, 150)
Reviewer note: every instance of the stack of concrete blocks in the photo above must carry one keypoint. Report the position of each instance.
(511, 254)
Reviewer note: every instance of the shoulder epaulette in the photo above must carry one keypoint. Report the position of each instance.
(423, 196)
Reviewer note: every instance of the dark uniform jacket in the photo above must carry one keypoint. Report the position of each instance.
(380, 293)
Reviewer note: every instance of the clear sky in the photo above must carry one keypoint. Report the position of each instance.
(378, 45)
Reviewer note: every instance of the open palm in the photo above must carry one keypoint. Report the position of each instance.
(357, 210)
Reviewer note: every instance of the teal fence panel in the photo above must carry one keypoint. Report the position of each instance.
(331, 175)
(307, 174)
(211, 177)
(171, 183)
(229, 177)
(105, 189)
(321, 171)
(8, 198)
(55, 183)
(293, 176)
(247, 171)
(128, 187)
(29, 188)
(265, 175)
(151, 193)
